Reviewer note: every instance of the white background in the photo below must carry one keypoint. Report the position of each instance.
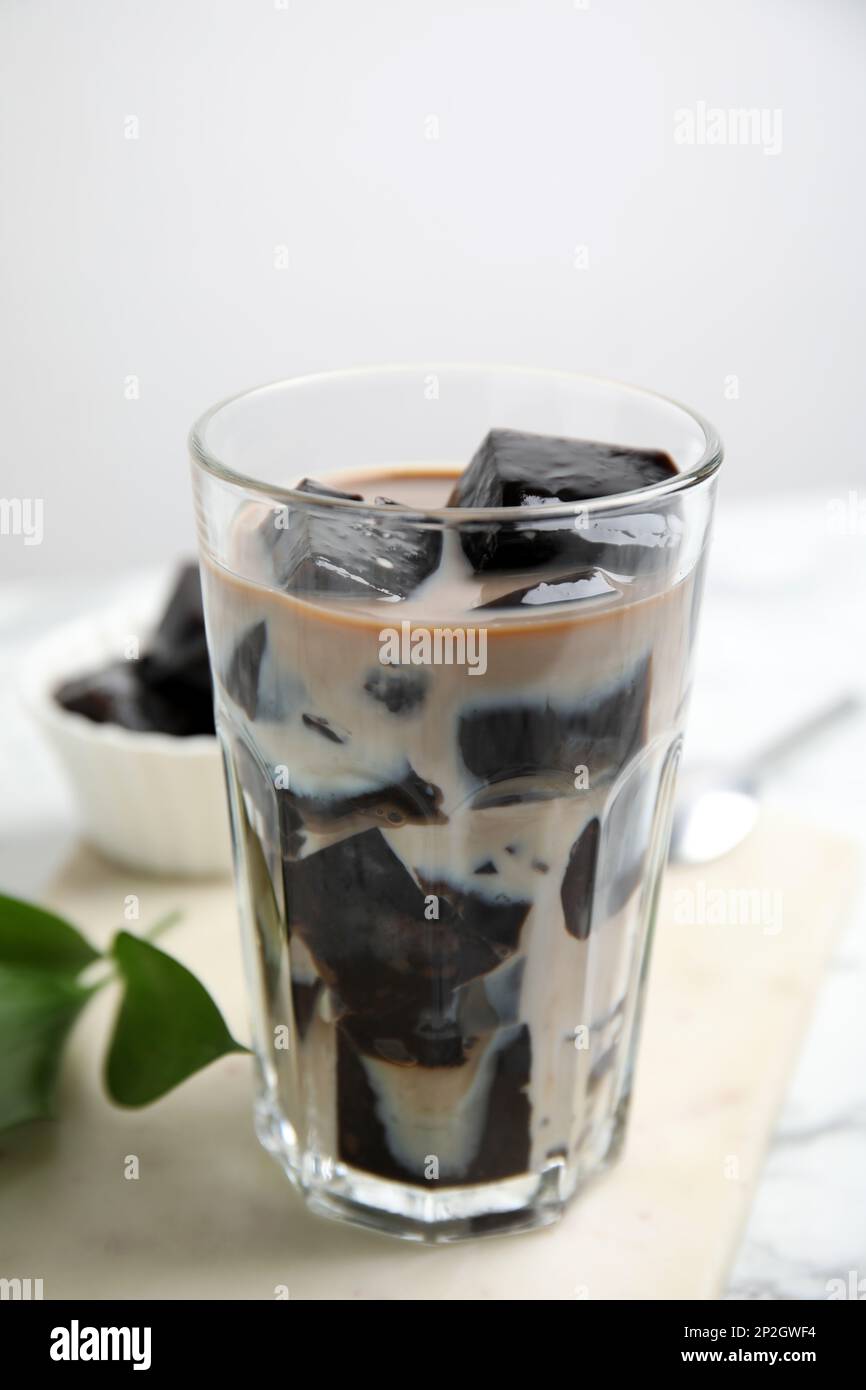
(306, 127)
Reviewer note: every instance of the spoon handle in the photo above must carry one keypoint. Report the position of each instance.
(814, 724)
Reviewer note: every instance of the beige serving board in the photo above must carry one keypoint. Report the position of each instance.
(211, 1216)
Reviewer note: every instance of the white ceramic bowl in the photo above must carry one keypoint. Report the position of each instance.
(150, 801)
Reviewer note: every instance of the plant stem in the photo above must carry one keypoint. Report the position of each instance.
(164, 923)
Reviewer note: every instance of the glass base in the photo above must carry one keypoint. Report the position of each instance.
(525, 1203)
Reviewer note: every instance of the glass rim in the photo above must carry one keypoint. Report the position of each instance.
(705, 468)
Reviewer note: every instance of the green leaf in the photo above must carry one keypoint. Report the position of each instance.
(37, 1010)
(168, 1027)
(33, 937)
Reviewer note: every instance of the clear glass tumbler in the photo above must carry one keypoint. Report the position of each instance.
(450, 739)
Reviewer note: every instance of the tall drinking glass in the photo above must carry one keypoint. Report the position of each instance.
(451, 737)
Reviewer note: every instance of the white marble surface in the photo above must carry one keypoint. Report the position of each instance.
(783, 630)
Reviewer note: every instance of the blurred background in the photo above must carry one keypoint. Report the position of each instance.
(200, 195)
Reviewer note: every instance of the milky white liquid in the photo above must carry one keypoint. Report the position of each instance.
(563, 1006)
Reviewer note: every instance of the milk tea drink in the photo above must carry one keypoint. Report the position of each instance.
(450, 754)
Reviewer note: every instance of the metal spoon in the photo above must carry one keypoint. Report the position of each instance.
(717, 806)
